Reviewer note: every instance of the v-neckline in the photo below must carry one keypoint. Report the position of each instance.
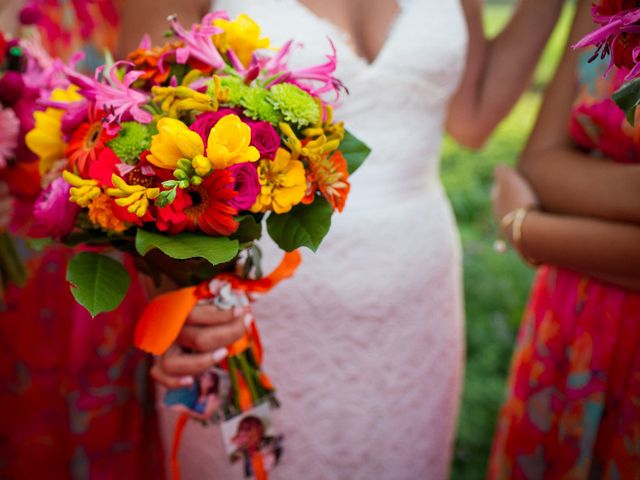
(349, 38)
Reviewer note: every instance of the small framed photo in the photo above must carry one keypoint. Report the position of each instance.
(205, 398)
(251, 433)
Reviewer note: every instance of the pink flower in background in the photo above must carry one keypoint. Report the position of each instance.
(618, 36)
(117, 98)
(198, 44)
(53, 214)
(246, 184)
(9, 130)
(265, 138)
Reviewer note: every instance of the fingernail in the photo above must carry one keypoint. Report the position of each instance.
(186, 381)
(238, 310)
(220, 354)
(248, 320)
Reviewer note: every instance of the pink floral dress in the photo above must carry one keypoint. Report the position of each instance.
(76, 400)
(573, 404)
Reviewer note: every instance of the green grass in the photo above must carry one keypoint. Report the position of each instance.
(496, 286)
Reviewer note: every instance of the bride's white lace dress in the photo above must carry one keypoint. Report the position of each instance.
(365, 343)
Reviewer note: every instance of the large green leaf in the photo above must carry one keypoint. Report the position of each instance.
(98, 283)
(355, 152)
(303, 226)
(188, 245)
(628, 98)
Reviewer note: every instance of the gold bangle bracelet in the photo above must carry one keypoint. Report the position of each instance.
(515, 219)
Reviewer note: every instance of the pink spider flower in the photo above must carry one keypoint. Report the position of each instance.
(198, 44)
(618, 36)
(315, 80)
(114, 96)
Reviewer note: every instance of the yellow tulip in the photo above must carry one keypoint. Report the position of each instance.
(174, 141)
(228, 143)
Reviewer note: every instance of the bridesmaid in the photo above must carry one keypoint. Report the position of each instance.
(573, 402)
(76, 398)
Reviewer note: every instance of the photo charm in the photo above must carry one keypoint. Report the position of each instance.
(250, 437)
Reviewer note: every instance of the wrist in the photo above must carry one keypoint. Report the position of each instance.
(512, 227)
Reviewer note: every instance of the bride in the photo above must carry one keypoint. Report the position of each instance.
(366, 343)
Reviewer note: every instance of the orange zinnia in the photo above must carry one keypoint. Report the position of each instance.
(332, 178)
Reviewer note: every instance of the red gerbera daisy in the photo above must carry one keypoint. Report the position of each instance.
(210, 210)
(87, 142)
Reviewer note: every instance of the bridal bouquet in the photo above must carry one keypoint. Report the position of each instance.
(618, 38)
(180, 155)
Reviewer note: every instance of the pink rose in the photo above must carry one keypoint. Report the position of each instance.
(246, 184)
(53, 214)
(265, 138)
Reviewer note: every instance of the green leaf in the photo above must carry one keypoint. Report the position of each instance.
(188, 245)
(98, 283)
(303, 226)
(248, 230)
(628, 98)
(355, 152)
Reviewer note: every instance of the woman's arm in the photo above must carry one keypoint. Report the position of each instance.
(498, 70)
(609, 251)
(143, 16)
(567, 180)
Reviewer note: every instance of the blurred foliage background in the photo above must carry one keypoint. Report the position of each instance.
(496, 286)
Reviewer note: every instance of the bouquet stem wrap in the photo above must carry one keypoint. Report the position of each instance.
(164, 317)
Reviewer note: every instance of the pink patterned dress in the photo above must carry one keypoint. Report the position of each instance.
(76, 400)
(573, 403)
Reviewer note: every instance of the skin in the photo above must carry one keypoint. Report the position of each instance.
(587, 224)
(496, 74)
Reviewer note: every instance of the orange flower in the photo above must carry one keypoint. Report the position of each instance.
(149, 61)
(332, 178)
(86, 144)
(101, 214)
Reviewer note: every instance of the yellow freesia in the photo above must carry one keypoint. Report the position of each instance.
(173, 142)
(45, 139)
(283, 183)
(241, 35)
(228, 143)
(134, 197)
(82, 191)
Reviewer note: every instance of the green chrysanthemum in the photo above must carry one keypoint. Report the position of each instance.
(236, 88)
(258, 105)
(295, 105)
(132, 139)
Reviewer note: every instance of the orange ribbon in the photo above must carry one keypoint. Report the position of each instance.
(258, 466)
(164, 317)
(162, 320)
